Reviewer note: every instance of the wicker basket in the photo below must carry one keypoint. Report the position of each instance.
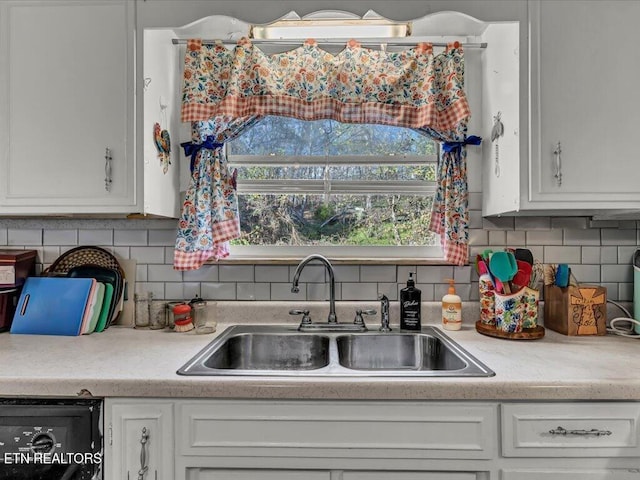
(83, 256)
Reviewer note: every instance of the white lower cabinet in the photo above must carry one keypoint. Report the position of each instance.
(139, 440)
(199, 439)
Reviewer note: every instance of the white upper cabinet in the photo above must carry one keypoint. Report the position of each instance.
(67, 101)
(580, 156)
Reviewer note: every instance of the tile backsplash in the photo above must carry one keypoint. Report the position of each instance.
(599, 252)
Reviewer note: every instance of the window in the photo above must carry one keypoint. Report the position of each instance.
(345, 190)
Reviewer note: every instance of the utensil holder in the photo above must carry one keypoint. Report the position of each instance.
(576, 310)
(516, 313)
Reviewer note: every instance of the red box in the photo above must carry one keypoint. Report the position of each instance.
(16, 266)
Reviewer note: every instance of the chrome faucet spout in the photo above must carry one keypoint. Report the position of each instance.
(332, 282)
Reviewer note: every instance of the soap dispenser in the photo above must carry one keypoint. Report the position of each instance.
(410, 298)
(451, 308)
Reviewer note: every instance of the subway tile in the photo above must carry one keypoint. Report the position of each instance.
(282, 291)
(26, 236)
(627, 224)
(617, 273)
(497, 223)
(612, 290)
(60, 237)
(319, 292)
(532, 223)
(50, 254)
(141, 273)
(218, 291)
(95, 237)
(271, 273)
(544, 237)
(191, 290)
(163, 273)
(347, 273)
(475, 219)
(463, 291)
(121, 252)
(434, 274)
(462, 275)
(609, 255)
(478, 237)
(130, 237)
(582, 237)
(497, 238)
(254, 291)
(474, 293)
(3, 236)
(206, 273)
(516, 239)
(169, 253)
(603, 224)
(235, 273)
(174, 291)
(568, 255)
(591, 255)
(475, 201)
(586, 273)
(625, 254)
(164, 237)
(152, 255)
(537, 252)
(156, 288)
(388, 289)
(570, 222)
(625, 292)
(359, 291)
(378, 273)
(310, 273)
(619, 237)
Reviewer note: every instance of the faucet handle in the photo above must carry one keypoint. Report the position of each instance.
(358, 320)
(306, 319)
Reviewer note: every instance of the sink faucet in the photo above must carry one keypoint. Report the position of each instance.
(332, 282)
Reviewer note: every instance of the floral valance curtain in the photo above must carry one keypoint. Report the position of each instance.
(414, 88)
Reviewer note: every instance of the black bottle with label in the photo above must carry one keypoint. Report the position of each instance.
(410, 298)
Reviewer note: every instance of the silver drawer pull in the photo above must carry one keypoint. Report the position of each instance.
(593, 431)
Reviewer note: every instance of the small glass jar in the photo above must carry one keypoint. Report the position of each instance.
(142, 308)
(199, 316)
(157, 315)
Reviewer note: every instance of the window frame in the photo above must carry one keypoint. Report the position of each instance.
(426, 254)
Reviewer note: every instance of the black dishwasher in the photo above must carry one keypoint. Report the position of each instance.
(50, 439)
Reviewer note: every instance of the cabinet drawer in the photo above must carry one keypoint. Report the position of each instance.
(241, 474)
(570, 430)
(409, 476)
(551, 474)
(337, 429)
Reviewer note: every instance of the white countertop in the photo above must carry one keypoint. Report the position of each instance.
(124, 362)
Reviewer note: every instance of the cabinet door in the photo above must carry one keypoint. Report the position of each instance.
(140, 441)
(584, 95)
(66, 97)
(557, 474)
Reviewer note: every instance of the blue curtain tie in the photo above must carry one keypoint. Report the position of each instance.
(191, 149)
(456, 146)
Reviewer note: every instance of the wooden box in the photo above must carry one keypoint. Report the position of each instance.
(576, 310)
(16, 266)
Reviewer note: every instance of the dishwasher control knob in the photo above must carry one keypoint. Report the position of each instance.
(43, 443)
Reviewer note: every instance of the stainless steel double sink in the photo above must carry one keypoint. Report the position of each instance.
(268, 350)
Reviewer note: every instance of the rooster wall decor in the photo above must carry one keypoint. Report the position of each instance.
(163, 144)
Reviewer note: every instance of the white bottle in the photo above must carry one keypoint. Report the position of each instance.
(451, 309)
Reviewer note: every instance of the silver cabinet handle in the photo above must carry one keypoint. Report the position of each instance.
(143, 454)
(593, 431)
(107, 170)
(558, 166)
